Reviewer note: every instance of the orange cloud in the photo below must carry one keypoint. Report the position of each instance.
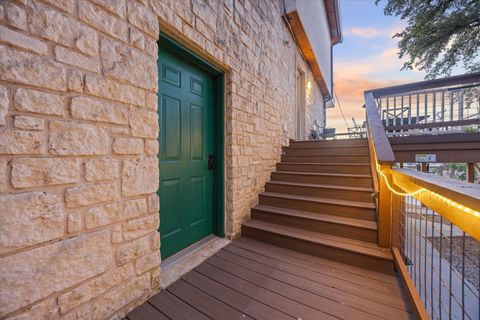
(352, 78)
(384, 62)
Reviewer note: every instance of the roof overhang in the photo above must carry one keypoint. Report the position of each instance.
(333, 35)
(334, 22)
(306, 49)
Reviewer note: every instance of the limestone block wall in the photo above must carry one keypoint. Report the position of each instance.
(78, 158)
(314, 106)
(78, 140)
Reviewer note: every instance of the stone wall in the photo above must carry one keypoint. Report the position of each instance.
(314, 106)
(78, 140)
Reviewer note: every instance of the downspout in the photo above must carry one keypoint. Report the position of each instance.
(340, 39)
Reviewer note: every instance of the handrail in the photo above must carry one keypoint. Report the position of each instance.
(376, 130)
(430, 212)
(456, 201)
(429, 84)
(380, 152)
(417, 212)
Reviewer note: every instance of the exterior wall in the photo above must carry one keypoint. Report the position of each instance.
(314, 105)
(78, 140)
(314, 19)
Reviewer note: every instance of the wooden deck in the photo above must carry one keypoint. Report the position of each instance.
(253, 280)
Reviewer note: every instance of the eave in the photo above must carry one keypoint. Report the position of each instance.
(333, 17)
(306, 48)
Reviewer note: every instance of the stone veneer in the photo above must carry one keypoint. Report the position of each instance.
(78, 139)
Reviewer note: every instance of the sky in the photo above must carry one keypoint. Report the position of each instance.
(366, 59)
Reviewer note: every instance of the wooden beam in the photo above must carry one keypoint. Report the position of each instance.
(331, 7)
(424, 166)
(455, 148)
(443, 156)
(429, 84)
(383, 150)
(443, 138)
(384, 210)
(395, 223)
(477, 169)
(305, 47)
(415, 299)
(471, 172)
(455, 200)
(456, 123)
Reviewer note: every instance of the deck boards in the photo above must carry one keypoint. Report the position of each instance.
(253, 280)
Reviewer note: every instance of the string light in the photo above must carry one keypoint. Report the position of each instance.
(417, 192)
(402, 194)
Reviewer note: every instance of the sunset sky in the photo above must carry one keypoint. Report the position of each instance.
(367, 59)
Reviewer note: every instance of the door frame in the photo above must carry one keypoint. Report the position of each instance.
(218, 77)
(300, 105)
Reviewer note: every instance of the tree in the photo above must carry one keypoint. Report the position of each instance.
(440, 34)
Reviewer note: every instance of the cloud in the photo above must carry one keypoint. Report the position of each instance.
(363, 32)
(383, 65)
(370, 32)
(353, 77)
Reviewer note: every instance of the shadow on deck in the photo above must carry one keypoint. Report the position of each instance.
(252, 280)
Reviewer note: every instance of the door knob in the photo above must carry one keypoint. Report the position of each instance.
(211, 162)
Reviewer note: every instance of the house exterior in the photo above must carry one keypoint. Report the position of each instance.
(129, 130)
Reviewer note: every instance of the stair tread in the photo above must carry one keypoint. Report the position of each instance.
(326, 155)
(320, 146)
(340, 202)
(359, 223)
(349, 175)
(332, 142)
(322, 186)
(356, 246)
(327, 163)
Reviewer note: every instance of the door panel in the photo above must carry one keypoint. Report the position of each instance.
(170, 195)
(196, 118)
(186, 139)
(171, 123)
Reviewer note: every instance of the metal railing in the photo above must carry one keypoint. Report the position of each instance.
(431, 223)
(445, 106)
(442, 260)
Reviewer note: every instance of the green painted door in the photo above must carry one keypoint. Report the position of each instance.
(185, 104)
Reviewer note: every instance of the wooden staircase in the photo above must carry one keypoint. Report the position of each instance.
(321, 201)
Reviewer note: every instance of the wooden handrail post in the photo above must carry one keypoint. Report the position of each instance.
(384, 208)
(395, 235)
(381, 152)
(471, 172)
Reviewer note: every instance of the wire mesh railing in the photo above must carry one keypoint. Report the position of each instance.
(431, 223)
(443, 261)
(435, 111)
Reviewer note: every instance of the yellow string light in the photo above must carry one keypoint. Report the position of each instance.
(436, 195)
(402, 194)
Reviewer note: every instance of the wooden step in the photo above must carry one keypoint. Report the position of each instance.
(360, 180)
(361, 168)
(363, 230)
(364, 194)
(353, 252)
(327, 150)
(344, 208)
(327, 158)
(329, 143)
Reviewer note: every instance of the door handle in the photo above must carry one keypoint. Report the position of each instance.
(211, 161)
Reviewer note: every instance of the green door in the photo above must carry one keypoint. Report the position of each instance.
(185, 106)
